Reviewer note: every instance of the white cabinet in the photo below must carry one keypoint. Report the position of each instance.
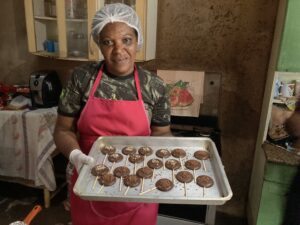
(61, 28)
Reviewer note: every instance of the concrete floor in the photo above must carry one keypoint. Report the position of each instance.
(16, 201)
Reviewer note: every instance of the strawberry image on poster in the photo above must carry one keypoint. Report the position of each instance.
(179, 94)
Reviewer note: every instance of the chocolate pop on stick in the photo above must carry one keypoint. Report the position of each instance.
(193, 164)
(121, 172)
(155, 164)
(97, 171)
(202, 155)
(145, 151)
(163, 153)
(107, 150)
(172, 164)
(205, 182)
(179, 153)
(135, 159)
(144, 173)
(107, 179)
(128, 150)
(131, 181)
(184, 177)
(114, 158)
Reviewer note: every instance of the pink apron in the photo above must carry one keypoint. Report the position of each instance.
(105, 117)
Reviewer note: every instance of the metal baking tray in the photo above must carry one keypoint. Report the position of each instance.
(218, 194)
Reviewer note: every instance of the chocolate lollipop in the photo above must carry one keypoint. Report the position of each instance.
(155, 164)
(144, 173)
(163, 153)
(184, 177)
(202, 155)
(107, 150)
(115, 158)
(107, 179)
(145, 151)
(179, 153)
(131, 181)
(205, 182)
(136, 158)
(172, 164)
(97, 171)
(163, 184)
(128, 150)
(193, 164)
(121, 172)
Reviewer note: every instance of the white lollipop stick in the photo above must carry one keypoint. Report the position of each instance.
(134, 168)
(142, 185)
(204, 167)
(203, 191)
(94, 184)
(121, 183)
(147, 191)
(100, 189)
(181, 162)
(185, 190)
(194, 174)
(153, 175)
(103, 162)
(164, 163)
(126, 161)
(145, 160)
(112, 167)
(125, 193)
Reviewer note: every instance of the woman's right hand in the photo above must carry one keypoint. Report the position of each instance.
(78, 158)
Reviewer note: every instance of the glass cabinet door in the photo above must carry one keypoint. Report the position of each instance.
(76, 28)
(45, 26)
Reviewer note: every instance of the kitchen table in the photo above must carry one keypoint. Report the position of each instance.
(27, 146)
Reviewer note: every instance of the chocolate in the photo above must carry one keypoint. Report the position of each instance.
(164, 184)
(204, 181)
(146, 151)
(121, 171)
(184, 177)
(201, 154)
(132, 181)
(192, 164)
(99, 170)
(107, 179)
(172, 164)
(155, 163)
(178, 153)
(144, 172)
(108, 149)
(136, 158)
(163, 153)
(128, 150)
(115, 157)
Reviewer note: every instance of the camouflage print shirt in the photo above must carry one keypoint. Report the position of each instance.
(154, 94)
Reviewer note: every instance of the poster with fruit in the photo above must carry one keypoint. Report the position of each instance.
(185, 89)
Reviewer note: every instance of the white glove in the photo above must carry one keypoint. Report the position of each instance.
(77, 158)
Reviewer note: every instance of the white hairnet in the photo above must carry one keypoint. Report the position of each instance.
(117, 12)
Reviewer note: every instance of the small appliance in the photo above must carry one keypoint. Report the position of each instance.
(45, 88)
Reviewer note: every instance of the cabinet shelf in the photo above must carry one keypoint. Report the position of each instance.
(64, 25)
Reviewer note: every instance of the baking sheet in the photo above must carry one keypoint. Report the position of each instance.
(218, 194)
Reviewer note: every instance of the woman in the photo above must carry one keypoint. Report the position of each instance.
(113, 97)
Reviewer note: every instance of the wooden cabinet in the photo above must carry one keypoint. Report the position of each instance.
(61, 28)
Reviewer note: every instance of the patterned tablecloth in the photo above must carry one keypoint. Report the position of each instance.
(26, 145)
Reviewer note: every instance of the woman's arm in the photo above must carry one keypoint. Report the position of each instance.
(65, 135)
(161, 131)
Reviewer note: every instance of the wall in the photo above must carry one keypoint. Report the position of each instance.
(232, 37)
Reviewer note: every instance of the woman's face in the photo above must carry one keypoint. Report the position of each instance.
(118, 44)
